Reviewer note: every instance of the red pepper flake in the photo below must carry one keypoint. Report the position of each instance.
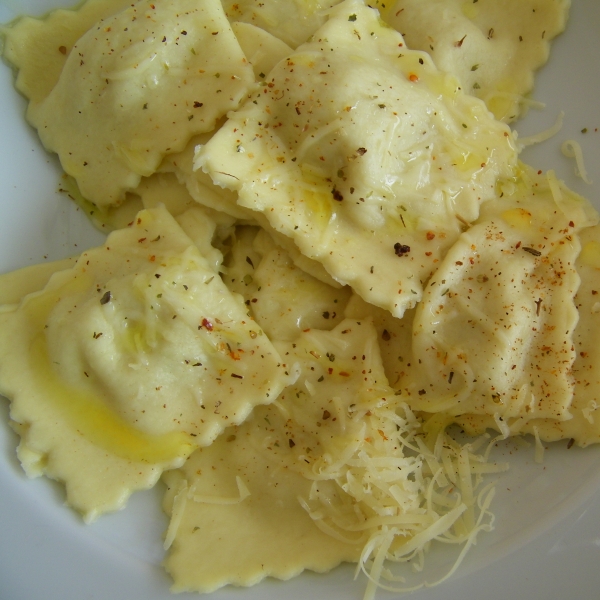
(207, 324)
(430, 235)
(344, 374)
(152, 258)
(413, 77)
(571, 224)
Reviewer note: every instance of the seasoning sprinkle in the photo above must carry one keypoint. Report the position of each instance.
(401, 249)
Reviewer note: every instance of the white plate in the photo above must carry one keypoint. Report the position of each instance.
(547, 538)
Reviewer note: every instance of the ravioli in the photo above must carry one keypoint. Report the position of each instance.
(262, 49)
(199, 185)
(365, 155)
(292, 21)
(493, 47)
(314, 478)
(137, 86)
(132, 358)
(394, 336)
(202, 189)
(14, 285)
(223, 536)
(38, 48)
(493, 334)
(582, 427)
(283, 299)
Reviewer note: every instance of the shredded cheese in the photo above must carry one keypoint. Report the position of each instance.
(572, 149)
(178, 509)
(542, 136)
(399, 494)
(243, 490)
(539, 447)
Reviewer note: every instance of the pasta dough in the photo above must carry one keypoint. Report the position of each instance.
(582, 426)
(493, 334)
(492, 47)
(364, 154)
(135, 356)
(137, 86)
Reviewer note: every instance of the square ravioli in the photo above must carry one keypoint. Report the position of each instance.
(494, 333)
(364, 154)
(128, 361)
(135, 87)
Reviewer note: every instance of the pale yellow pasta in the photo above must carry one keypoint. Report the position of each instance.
(325, 252)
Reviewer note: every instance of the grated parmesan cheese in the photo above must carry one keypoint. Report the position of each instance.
(572, 149)
(542, 136)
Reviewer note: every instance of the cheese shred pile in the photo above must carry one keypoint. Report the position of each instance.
(397, 491)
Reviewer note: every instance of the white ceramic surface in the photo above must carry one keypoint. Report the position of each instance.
(547, 538)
